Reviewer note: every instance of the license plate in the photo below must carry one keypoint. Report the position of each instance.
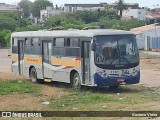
(120, 80)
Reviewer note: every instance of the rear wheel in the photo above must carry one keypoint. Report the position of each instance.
(76, 83)
(33, 76)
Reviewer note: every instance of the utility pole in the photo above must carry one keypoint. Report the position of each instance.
(18, 12)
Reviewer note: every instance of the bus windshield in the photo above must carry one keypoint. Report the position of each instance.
(116, 51)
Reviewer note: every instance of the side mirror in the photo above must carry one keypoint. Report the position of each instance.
(93, 46)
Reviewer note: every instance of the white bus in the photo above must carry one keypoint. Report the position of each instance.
(80, 57)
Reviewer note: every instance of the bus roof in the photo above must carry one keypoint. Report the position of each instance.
(70, 33)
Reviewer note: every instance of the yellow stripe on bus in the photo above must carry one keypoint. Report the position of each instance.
(33, 60)
(66, 62)
(14, 58)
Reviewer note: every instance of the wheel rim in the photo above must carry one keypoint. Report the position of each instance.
(33, 76)
(76, 79)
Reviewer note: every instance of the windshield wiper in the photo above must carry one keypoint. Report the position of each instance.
(123, 57)
(113, 60)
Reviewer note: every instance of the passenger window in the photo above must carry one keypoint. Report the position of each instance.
(27, 41)
(14, 45)
(73, 42)
(59, 42)
(73, 47)
(59, 47)
(35, 42)
(14, 41)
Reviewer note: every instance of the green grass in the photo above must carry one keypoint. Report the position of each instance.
(132, 97)
(84, 99)
(18, 86)
(95, 100)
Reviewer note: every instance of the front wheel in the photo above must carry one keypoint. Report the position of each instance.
(76, 83)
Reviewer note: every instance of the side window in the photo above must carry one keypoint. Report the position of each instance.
(35, 42)
(27, 41)
(59, 42)
(68, 47)
(35, 46)
(27, 48)
(14, 45)
(59, 47)
(73, 47)
(74, 42)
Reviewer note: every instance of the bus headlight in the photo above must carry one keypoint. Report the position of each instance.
(103, 74)
(134, 73)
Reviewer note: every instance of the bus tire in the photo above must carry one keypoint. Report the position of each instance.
(76, 83)
(113, 87)
(33, 76)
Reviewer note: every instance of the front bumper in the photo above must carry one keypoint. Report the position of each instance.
(112, 81)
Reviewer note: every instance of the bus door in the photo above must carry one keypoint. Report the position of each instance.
(47, 52)
(20, 56)
(86, 62)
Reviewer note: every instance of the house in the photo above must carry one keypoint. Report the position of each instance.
(48, 12)
(9, 8)
(71, 8)
(139, 13)
(148, 37)
(153, 17)
(92, 7)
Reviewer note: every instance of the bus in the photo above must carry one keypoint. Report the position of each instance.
(79, 57)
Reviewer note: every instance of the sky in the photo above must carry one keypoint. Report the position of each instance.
(142, 3)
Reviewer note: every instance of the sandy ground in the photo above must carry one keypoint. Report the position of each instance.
(150, 68)
(5, 66)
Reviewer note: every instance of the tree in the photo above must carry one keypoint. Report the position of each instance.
(5, 38)
(106, 6)
(39, 5)
(26, 6)
(8, 21)
(121, 6)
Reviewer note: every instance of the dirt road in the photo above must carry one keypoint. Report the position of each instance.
(150, 68)
(5, 65)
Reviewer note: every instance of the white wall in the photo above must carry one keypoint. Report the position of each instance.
(73, 9)
(44, 14)
(7, 7)
(139, 14)
(140, 40)
(66, 9)
(152, 34)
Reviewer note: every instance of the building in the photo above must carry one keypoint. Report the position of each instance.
(9, 8)
(148, 37)
(74, 7)
(139, 13)
(153, 17)
(129, 5)
(48, 12)
(92, 7)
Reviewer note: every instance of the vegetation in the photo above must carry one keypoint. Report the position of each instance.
(17, 86)
(38, 5)
(5, 37)
(81, 19)
(105, 99)
(121, 6)
(87, 99)
(9, 22)
(110, 19)
(26, 6)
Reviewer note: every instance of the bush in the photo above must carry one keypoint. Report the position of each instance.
(5, 38)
